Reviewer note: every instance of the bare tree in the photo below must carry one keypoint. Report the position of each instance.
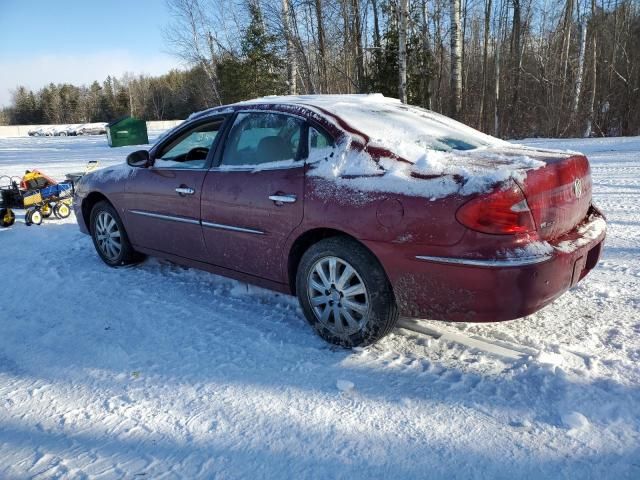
(191, 37)
(427, 54)
(321, 47)
(594, 75)
(376, 24)
(402, 50)
(359, 49)
(456, 60)
(578, 81)
(485, 60)
(292, 64)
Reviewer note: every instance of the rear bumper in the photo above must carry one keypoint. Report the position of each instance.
(491, 290)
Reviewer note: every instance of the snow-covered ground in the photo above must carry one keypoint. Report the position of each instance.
(157, 371)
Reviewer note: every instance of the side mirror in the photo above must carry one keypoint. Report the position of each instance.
(139, 158)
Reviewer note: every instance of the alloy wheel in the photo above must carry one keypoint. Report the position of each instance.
(338, 296)
(108, 236)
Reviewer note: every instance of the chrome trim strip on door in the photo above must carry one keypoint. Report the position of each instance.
(196, 222)
(166, 217)
(493, 263)
(232, 228)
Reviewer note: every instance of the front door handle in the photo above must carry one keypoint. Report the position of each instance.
(183, 190)
(280, 199)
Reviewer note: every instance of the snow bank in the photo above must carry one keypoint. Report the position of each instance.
(161, 371)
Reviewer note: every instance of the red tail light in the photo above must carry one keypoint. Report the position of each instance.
(501, 212)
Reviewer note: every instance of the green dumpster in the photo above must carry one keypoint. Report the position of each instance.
(127, 131)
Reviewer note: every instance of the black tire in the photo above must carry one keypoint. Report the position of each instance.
(376, 313)
(33, 217)
(112, 256)
(46, 210)
(61, 210)
(7, 217)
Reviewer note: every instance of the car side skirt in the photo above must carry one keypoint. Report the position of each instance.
(225, 272)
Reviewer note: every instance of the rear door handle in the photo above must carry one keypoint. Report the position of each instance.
(184, 190)
(280, 199)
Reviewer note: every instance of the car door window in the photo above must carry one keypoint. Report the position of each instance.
(258, 138)
(320, 145)
(190, 149)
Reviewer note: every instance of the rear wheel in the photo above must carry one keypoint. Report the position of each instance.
(110, 238)
(345, 293)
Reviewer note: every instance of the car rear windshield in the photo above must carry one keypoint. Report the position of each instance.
(392, 125)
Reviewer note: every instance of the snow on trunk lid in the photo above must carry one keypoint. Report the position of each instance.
(559, 194)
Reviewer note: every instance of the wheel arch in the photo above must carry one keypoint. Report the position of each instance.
(87, 205)
(308, 239)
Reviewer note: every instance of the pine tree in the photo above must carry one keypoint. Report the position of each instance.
(259, 71)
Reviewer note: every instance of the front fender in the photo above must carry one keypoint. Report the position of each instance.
(103, 184)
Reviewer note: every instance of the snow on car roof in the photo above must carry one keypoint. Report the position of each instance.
(404, 129)
(433, 144)
(390, 123)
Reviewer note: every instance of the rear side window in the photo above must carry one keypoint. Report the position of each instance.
(318, 139)
(258, 138)
(320, 145)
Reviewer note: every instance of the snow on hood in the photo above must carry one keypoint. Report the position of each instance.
(120, 171)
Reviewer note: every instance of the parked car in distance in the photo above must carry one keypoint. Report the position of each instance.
(365, 208)
(53, 131)
(99, 128)
(45, 131)
(64, 130)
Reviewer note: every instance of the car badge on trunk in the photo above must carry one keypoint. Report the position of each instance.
(577, 187)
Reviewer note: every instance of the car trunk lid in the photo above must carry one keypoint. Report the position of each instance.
(558, 194)
(555, 185)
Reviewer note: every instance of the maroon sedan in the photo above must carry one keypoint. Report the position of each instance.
(364, 208)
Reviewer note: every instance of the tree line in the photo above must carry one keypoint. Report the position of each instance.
(512, 68)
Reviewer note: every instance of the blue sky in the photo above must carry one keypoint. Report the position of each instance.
(75, 41)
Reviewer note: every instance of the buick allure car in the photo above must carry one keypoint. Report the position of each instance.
(364, 208)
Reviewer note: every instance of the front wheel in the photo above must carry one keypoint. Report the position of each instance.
(32, 217)
(61, 210)
(344, 293)
(110, 238)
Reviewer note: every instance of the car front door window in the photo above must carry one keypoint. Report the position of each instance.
(189, 150)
